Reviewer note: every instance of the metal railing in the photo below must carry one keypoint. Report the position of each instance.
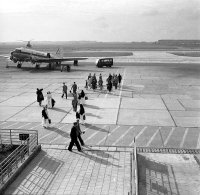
(27, 141)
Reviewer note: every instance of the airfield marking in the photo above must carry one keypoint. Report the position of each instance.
(61, 135)
(12, 124)
(23, 125)
(45, 136)
(35, 126)
(107, 135)
(3, 123)
(138, 135)
(152, 137)
(184, 136)
(127, 131)
(168, 137)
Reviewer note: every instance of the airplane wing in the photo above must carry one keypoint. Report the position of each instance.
(49, 60)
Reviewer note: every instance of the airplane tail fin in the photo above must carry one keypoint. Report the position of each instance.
(59, 52)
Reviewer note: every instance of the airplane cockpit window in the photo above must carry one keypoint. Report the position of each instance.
(18, 50)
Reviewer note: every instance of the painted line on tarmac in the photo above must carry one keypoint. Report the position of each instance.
(46, 135)
(122, 135)
(184, 136)
(94, 134)
(11, 125)
(137, 136)
(3, 123)
(63, 126)
(168, 137)
(40, 124)
(108, 135)
(23, 125)
(152, 137)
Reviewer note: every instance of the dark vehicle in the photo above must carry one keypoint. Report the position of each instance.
(104, 62)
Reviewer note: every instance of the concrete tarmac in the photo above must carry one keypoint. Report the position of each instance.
(158, 103)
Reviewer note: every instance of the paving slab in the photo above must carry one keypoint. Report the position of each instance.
(140, 103)
(55, 171)
(173, 104)
(190, 104)
(169, 174)
(145, 117)
(18, 101)
(6, 112)
(34, 114)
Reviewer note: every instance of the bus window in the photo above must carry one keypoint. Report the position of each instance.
(104, 62)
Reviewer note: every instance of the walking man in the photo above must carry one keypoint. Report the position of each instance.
(64, 90)
(119, 79)
(74, 136)
(74, 87)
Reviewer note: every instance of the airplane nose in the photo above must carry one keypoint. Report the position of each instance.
(11, 55)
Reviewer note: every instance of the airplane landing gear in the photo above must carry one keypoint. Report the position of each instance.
(19, 65)
(37, 66)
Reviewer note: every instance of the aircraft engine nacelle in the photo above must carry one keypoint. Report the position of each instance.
(14, 60)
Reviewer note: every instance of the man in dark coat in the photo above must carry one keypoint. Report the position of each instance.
(74, 87)
(64, 90)
(119, 79)
(79, 132)
(74, 136)
(40, 96)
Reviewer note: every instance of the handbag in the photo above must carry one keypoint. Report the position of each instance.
(86, 98)
(49, 121)
(84, 117)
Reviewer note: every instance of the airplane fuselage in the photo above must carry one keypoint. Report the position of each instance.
(28, 55)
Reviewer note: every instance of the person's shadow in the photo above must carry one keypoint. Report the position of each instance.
(60, 132)
(97, 159)
(59, 110)
(91, 106)
(96, 128)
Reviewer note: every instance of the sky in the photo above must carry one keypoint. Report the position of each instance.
(99, 20)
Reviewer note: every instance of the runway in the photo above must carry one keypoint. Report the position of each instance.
(158, 103)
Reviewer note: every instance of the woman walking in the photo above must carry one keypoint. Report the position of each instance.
(40, 96)
(49, 99)
(74, 101)
(82, 114)
(45, 117)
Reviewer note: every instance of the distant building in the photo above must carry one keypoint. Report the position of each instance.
(182, 43)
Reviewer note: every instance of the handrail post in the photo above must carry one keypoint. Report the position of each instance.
(11, 136)
(1, 174)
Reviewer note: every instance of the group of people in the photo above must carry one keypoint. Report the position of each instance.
(78, 99)
(112, 80)
(49, 102)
